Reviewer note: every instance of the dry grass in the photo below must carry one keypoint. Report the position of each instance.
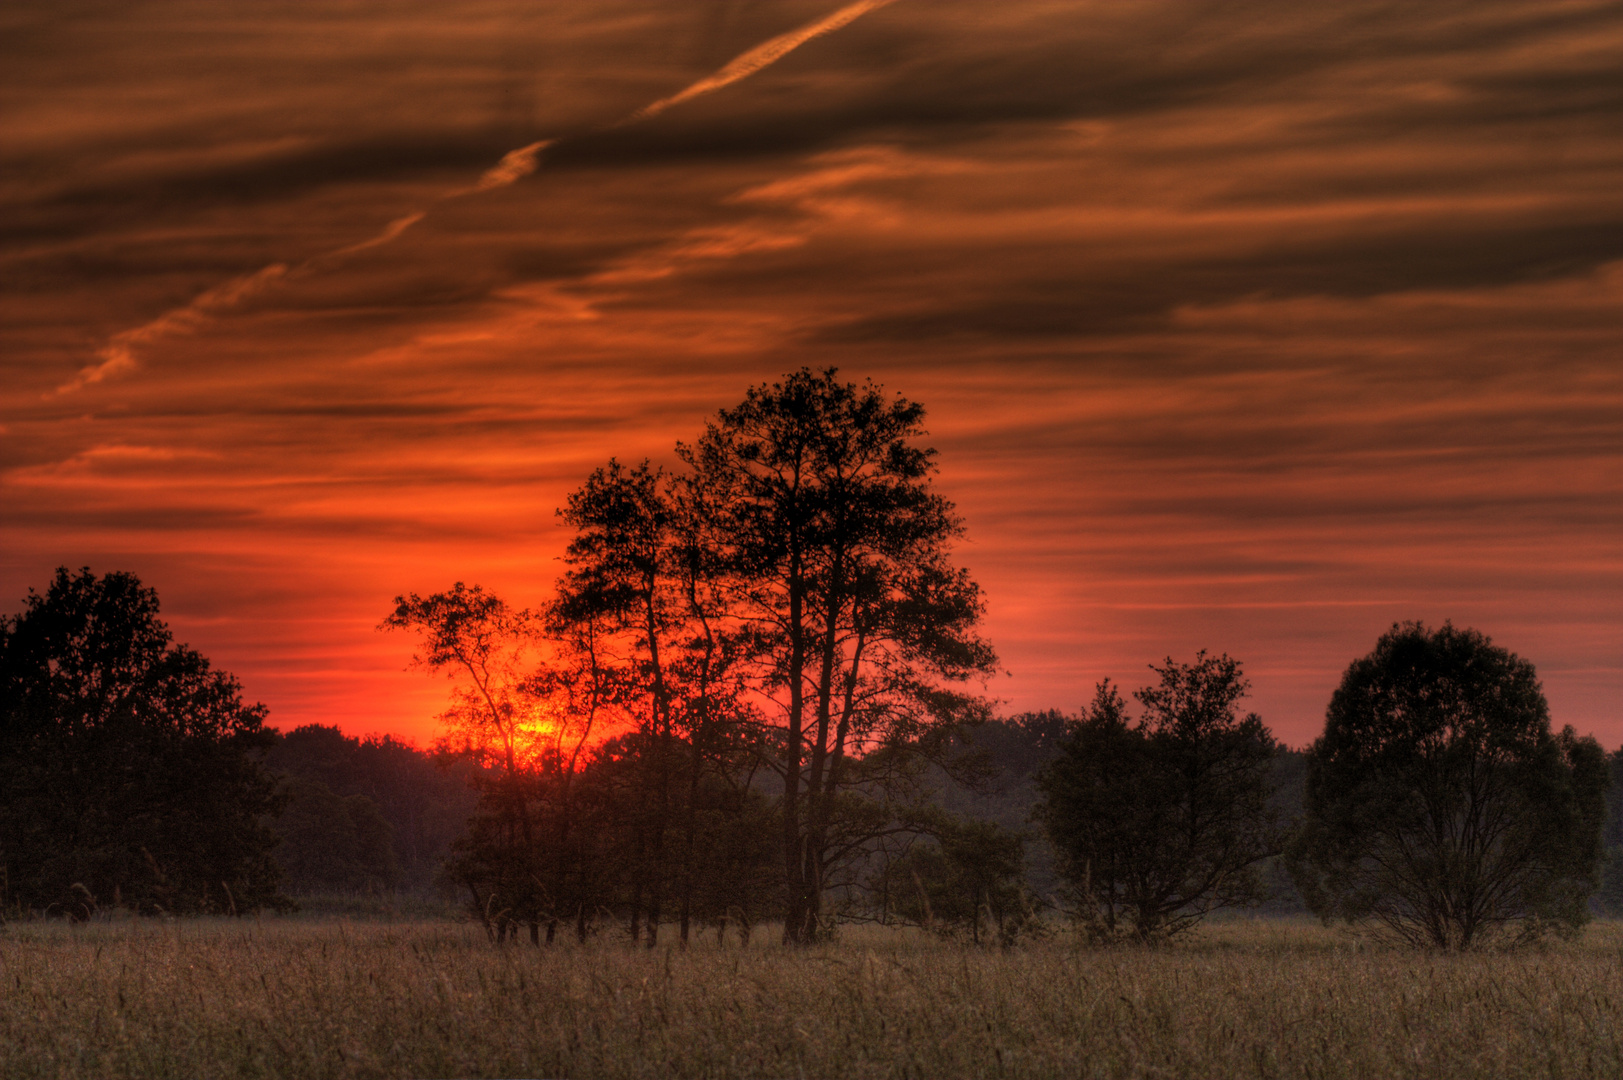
(313, 999)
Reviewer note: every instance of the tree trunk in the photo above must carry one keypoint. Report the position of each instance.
(690, 830)
(795, 917)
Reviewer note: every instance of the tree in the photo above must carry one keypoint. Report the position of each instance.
(523, 723)
(1610, 896)
(129, 769)
(993, 778)
(1161, 822)
(785, 604)
(622, 574)
(332, 842)
(959, 877)
(644, 567)
(480, 642)
(839, 553)
(1440, 805)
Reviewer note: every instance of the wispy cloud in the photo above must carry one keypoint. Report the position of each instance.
(514, 166)
(1248, 327)
(118, 356)
(760, 58)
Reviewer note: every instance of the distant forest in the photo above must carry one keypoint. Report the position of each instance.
(376, 816)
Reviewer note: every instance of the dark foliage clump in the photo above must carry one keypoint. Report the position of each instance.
(129, 769)
(1441, 807)
(365, 815)
(961, 878)
(1160, 822)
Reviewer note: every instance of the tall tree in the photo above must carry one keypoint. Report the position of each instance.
(723, 730)
(481, 643)
(839, 549)
(643, 563)
(620, 570)
(1160, 822)
(528, 692)
(1440, 806)
(129, 768)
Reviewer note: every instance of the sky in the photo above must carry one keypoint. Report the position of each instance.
(1249, 327)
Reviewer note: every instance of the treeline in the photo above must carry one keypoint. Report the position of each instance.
(993, 789)
(368, 816)
(109, 725)
(755, 695)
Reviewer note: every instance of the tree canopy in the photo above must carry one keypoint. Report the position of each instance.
(774, 631)
(840, 549)
(1440, 806)
(129, 768)
(365, 815)
(1159, 822)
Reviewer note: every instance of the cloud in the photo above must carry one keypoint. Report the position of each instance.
(514, 166)
(1250, 327)
(118, 355)
(760, 58)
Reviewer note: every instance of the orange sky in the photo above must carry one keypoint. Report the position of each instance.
(1249, 327)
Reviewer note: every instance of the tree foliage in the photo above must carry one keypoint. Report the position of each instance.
(424, 803)
(961, 878)
(129, 768)
(838, 551)
(643, 567)
(1440, 806)
(772, 633)
(504, 718)
(1160, 822)
(334, 842)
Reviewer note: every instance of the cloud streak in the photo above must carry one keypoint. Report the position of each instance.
(759, 58)
(118, 356)
(514, 166)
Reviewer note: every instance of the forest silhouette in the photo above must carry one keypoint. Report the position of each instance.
(758, 695)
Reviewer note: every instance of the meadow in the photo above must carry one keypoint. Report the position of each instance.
(337, 998)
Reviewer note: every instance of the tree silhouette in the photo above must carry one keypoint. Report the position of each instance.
(621, 572)
(1161, 822)
(424, 801)
(785, 605)
(960, 878)
(478, 640)
(129, 769)
(643, 567)
(334, 842)
(1440, 806)
(528, 692)
(840, 554)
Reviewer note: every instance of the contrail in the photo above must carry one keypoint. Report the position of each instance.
(762, 56)
(514, 166)
(390, 231)
(118, 354)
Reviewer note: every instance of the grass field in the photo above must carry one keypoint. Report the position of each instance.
(326, 998)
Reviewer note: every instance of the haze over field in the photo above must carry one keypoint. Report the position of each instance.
(1250, 327)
